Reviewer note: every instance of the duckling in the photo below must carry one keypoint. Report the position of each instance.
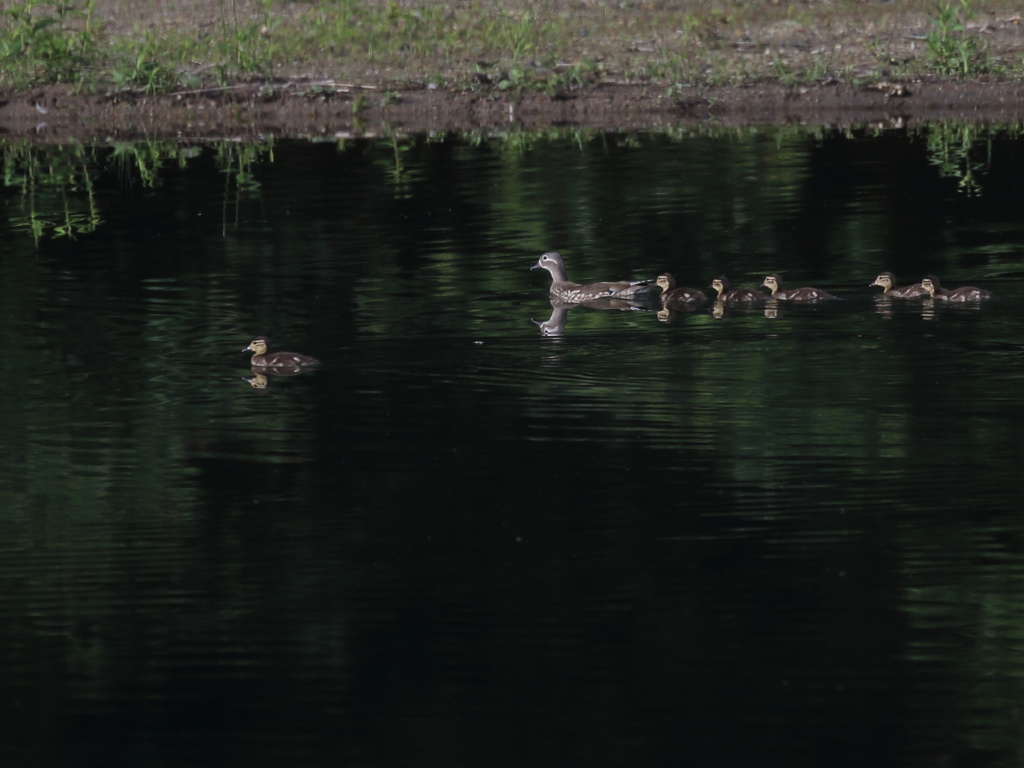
(279, 361)
(736, 295)
(672, 295)
(575, 293)
(960, 295)
(888, 281)
(774, 284)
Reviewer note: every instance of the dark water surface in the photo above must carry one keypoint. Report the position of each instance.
(790, 538)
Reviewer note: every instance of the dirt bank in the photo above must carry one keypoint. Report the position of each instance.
(292, 109)
(636, 65)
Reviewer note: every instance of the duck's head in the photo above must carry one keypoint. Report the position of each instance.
(887, 280)
(720, 284)
(259, 345)
(665, 281)
(772, 283)
(550, 261)
(931, 284)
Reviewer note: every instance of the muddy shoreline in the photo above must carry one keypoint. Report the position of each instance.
(283, 110)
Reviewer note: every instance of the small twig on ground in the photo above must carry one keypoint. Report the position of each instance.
(322, 83)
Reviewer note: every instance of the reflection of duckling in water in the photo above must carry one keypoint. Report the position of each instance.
(960, 295)
(727, 295)
(575, 293)
(277, 362)
(672, 295)
(774, 284)
(258, 381)
(888, 282)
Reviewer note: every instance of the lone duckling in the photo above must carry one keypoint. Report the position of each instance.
(672, 295)
(960, 295)
(888, 282)
(562, 289)
(727, 295)
(774, 284)
(277, 361)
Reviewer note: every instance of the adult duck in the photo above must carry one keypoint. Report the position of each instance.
(564, 290)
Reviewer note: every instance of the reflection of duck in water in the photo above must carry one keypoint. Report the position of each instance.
(555, 325)
(774, 284)
(888, 282)
(280, 363)
(960, 295)
(575, 293)
(678, 296)
(727, 295)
